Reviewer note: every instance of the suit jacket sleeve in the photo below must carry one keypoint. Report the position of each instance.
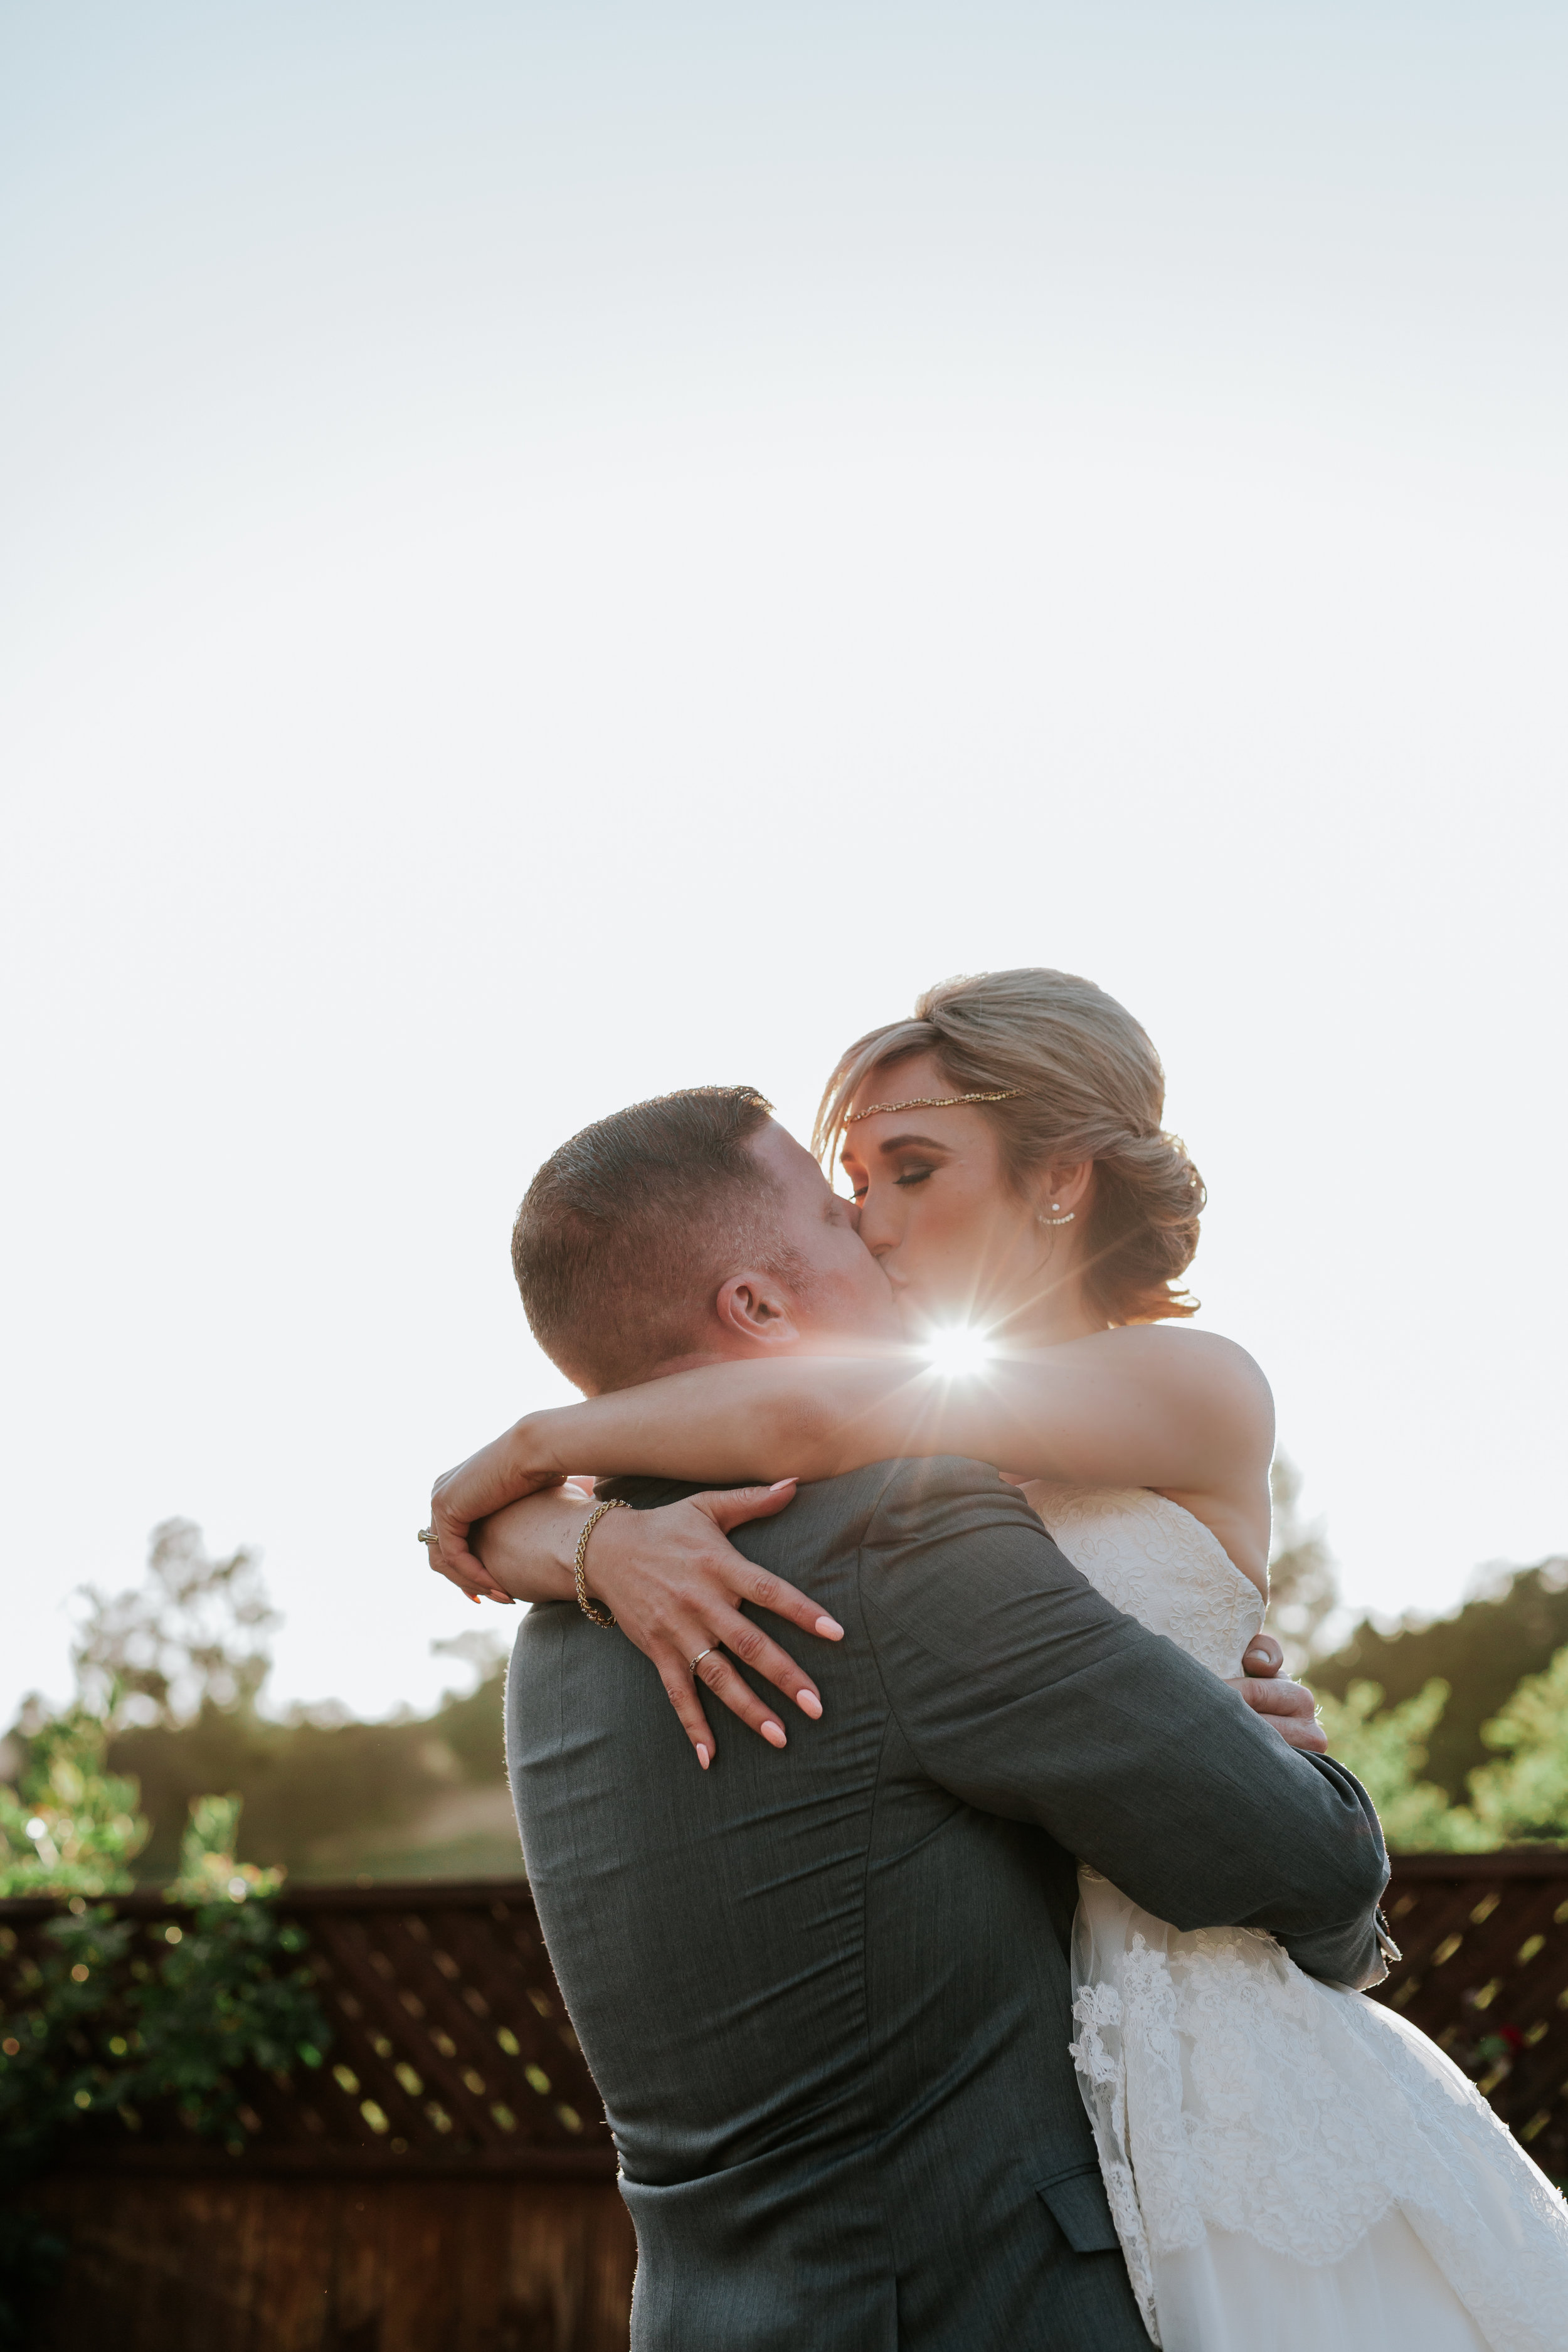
(1024, 1692)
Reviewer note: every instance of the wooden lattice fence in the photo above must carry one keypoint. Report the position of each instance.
(445, 2182)
(1484, 1973)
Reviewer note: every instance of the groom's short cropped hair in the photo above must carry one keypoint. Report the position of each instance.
(627, 1231)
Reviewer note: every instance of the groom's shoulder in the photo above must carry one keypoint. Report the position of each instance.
(911, 1502)
(914, 1497)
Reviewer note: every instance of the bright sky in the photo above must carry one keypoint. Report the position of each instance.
(558, 551)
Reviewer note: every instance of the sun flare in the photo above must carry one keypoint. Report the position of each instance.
(959, 1350)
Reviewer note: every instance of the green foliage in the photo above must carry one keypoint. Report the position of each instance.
(1483, 1653)
(173, 1670)
(51, 2050)
(55, 2065)
(91, 2029)
(1525, 1794)
(1385, 1749)
(208, 1872)
(232, 1992)
(1522, 1794)
(192, 1634)
(68, 1827)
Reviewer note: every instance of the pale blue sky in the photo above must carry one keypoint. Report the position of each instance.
(557, 552)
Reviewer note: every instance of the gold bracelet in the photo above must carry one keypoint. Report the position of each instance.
(591, 1608)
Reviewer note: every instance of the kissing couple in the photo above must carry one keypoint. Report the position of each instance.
(1013, 1995)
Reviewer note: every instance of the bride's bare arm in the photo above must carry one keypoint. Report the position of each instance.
(1188, 1412)
(1163, 1410)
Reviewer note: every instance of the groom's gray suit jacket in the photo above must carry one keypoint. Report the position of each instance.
(825, 1993)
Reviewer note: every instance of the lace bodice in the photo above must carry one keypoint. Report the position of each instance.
(1150, 1556)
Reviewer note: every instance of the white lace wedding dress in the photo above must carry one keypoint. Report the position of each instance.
(1291, 2167)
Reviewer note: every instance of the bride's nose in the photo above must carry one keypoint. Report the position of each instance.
(870, 1227)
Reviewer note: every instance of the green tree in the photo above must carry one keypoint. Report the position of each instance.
(1522, 1795)
(89, 2027)
(1512, 1629)
(208, 1872)
(191, 1635)
(228, 1990)
(175, 1670)
(1525, 1794)
(1387, 1748)
(68, 1826)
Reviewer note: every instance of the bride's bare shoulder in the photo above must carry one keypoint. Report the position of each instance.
(1176, 1345)
(1201, 1368)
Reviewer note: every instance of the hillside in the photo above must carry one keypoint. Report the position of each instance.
(1482, 1651)
(423, 1797)
(175, 1671)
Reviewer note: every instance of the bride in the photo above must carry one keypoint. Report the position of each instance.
(1288, 2163)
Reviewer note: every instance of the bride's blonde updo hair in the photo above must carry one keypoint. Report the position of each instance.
(1089, 1088)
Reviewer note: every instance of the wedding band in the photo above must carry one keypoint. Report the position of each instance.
(429, 1535)
(707, 1653)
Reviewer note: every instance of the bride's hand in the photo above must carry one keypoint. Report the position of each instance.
(675, 1586)
(469, 1493)
(1262, 1656)
(1288, 1705)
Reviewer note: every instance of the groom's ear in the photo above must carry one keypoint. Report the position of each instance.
(759, 1309)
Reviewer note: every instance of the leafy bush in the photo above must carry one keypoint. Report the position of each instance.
(92, 2027)
(54, 2061)
(1483, 1651)
(1385, 1749)
(1525, 1795)
(68, 1827)
(233, 1991)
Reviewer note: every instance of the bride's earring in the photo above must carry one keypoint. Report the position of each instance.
(1041, 1218)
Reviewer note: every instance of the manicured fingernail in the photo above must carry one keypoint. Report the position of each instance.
(809, 1704)
(774, 1733)
(830, 1629)
(702, 1756)
(783, 1482)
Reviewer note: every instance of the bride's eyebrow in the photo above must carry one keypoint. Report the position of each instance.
(900, 1142)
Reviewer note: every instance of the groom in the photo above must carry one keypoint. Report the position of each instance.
(825, 1994)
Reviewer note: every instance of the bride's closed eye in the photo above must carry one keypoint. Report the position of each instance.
(905, 1178)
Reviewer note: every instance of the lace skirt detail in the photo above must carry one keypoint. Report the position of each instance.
(1232, 2096)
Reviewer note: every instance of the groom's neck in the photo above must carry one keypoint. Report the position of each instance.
(699, 1359)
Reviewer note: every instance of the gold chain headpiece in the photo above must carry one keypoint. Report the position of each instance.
(931, 1102)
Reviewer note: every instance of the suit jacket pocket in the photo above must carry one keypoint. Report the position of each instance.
(1077, 2203)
